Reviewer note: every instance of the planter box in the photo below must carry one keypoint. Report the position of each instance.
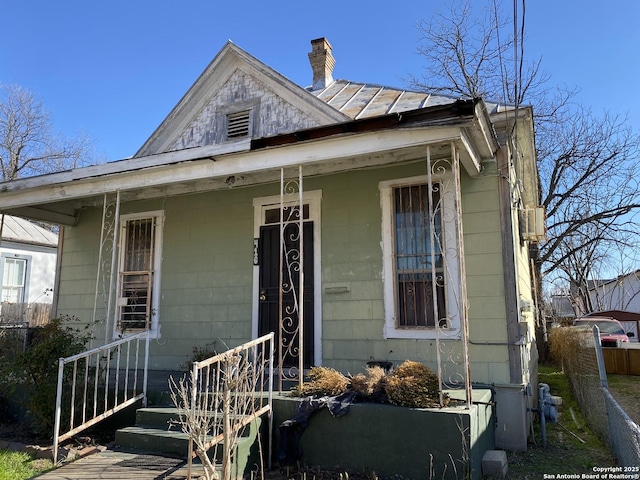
(390, 440)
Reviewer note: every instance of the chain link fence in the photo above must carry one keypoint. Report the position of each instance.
(13, 335)
(583, 362)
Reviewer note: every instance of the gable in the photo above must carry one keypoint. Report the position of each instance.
(237, 82)
(248, 104)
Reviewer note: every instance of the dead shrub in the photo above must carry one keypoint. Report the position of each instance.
(322, 381)
(565, 344)
(370, 384)
(415, 385)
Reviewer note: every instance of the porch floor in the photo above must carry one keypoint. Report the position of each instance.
(117, 465)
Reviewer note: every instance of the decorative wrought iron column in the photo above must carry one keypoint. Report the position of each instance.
(291, 272)
(447, 261)
(107, 268)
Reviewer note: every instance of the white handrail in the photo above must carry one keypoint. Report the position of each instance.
(217, 377)
(97, 362)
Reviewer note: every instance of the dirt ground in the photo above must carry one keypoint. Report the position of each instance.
(626, 390)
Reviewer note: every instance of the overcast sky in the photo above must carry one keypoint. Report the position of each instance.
(114, 69)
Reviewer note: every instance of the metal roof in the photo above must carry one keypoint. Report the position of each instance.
(16, 229)
(362, 100)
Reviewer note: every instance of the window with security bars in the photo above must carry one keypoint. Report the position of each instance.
(136, 274)
(14, 280)
(238, 124)
(418, 259)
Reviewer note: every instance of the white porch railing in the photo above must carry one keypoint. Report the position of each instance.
(102, 381)
(230, 390)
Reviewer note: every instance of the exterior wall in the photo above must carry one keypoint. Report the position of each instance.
(42, 269)
(207, 272)
(620, 294)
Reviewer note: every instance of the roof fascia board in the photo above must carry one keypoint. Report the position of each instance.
(471, 161)
(27, 192)
(489, 139)
(124, 166)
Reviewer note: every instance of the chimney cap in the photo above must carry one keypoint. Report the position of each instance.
(322, 62)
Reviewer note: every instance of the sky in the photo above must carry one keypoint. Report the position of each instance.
(114, 69)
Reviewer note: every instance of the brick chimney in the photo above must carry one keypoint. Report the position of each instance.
(322, 63)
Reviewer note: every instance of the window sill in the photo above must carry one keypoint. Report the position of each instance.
(426, 333)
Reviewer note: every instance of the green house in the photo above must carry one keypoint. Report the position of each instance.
(358, 222)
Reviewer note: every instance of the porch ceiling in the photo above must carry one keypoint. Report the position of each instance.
(59, 197)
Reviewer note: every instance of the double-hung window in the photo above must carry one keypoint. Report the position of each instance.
(14, 279)
(139, 273)
(417, 222)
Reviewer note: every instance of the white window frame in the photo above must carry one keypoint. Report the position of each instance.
(158, 217)
(450, 252)
(27, 267)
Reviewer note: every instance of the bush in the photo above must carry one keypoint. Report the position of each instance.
(412, 384)
(565, 344)
(371, 384)
(36, 367)
(322, 381)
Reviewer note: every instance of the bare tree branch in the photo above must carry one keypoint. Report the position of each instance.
(28, 143)
(587, 162)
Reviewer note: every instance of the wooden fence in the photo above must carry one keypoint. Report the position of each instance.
(35, 314)
(622, 361)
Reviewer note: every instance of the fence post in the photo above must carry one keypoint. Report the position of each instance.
(56, 427)
(145, 376)
(601, 367)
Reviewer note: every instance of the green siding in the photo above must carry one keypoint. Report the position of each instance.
(207, 272)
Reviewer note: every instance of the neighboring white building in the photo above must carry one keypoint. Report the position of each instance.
(28, 255)
(621, 293)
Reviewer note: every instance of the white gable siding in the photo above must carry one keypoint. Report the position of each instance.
(275, 116)
(620, 294)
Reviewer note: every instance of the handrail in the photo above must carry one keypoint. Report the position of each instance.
(113, 368)
(230, 387)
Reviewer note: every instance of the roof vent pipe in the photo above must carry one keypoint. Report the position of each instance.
(322, 63)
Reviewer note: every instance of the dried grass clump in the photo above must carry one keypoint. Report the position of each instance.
(370, 384)
(322, 381)
(565, 344)
(415, 385)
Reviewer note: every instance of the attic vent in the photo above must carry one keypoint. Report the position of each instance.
(238, 124)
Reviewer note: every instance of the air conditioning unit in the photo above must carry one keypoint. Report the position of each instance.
(534, 228)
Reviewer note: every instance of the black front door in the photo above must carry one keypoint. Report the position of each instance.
(269, 291)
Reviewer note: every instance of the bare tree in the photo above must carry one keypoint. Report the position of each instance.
(587, 162)
(28, 143)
